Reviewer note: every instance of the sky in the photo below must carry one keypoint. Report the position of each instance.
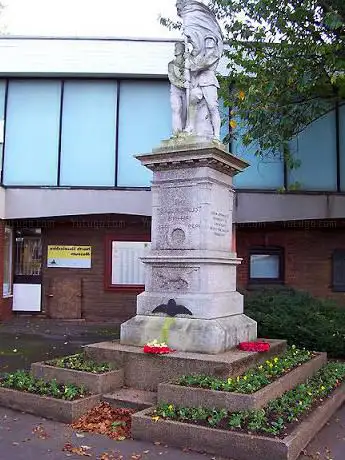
(109, 18)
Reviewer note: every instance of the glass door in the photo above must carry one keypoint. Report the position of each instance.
(27, 271)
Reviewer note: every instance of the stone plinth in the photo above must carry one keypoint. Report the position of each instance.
(190, 262)
(144, 371)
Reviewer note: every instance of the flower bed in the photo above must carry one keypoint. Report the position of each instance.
(234, 401)
(276, 419)
(78, 370)
(258, 434)
(80, 362)
(23, 381)
(254, 379)
(64, 403)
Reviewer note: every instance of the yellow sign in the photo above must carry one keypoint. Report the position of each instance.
(69, 256)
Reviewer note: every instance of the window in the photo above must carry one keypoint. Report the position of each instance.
(32, 132)
(266, 265)
(338, 270)
(8, 262)
(144, 120)
(88, 133)
(124, 269)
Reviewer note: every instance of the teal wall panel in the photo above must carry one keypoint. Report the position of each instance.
(266, 172)
(144, 121)
(88, 134)
(316, 148)
(32, 132)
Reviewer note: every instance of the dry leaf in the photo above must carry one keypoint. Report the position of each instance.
(81, 451)
(40, 432)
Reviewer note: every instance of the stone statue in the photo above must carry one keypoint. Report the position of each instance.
(204, 41)
(176, 73)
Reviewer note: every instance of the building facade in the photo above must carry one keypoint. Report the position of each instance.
(75, 204)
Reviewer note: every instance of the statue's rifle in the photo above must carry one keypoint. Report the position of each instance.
(187, 77)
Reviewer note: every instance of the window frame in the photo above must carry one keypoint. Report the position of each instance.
(267, 251)
(10, 263)
(109, 239)
(337, 287)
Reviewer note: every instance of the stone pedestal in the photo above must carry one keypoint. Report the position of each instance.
(191, 271)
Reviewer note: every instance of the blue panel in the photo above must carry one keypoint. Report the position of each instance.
(2, 98)
(144, 121)
(32, 132)
(342, 148)
(88, 133)
(316, 148)
(266, 172)
(2, 115)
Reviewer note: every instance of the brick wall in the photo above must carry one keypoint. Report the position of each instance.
(308, 259)
(97, 303)
(308, 254)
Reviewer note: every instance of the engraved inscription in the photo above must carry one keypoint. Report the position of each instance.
(178, 213)
(220, 223)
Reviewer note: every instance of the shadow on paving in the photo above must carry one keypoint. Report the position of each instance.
(25, 342)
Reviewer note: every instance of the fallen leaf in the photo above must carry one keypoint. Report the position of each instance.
(146, 451)
(80, 435)
(40, 432)
(157, 443)
(82, 451)
(112, 422)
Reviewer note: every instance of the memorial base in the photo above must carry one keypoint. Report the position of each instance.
(194, 335)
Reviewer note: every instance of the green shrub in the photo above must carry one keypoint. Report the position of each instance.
(299, 318)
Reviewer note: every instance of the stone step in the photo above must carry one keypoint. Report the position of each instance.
(145, 372)
(131, 398)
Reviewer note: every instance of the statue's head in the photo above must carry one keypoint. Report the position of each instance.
(179, 48)
(179, 6)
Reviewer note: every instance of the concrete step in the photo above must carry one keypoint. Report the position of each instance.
(131, 398)
(144, 371)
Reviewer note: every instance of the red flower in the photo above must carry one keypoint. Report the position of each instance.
(157, 350)
(254, 346)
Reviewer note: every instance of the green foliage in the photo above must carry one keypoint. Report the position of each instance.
(276, 416)
(23, 381)
(254, 379)
(299, 318)
(80, 362)
(286, 67)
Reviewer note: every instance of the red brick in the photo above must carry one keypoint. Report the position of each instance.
(308, 254)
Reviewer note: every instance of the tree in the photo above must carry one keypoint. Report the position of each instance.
(286, 66)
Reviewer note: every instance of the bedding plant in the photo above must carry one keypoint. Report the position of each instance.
(278, 418)
(254, 379)
(23, 381)
(80, 362)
